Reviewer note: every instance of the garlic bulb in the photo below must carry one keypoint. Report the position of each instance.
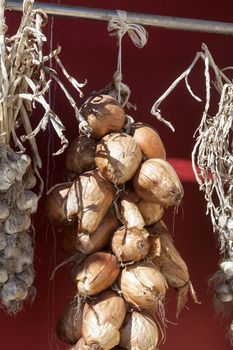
(97, 273)
(102, 319)
(13, 293)
(118, 157)
(27, 201)
(17, 222)
(139, 332)
(4, 211)
(227, 267)
(3, 240)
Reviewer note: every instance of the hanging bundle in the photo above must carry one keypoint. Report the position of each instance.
(121, 185)
(212, 161)
(25, 80)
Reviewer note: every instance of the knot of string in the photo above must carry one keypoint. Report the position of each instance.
(119, 26)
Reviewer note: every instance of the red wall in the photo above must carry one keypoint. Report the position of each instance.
(89, 52)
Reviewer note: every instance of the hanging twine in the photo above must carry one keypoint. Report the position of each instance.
(120, 26)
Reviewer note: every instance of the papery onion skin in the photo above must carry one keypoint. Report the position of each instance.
(156, 181)
(118, 157)
(130, 244)
(89, 243)
(149, 141)
(151, 212)
(55, 207)
(69, 326)
(169, 261)
(88, 200)
(97, 273)
(102, 319)
(81, 345)
(139, 332)
(130, 213)
(104, 114)
(80, 156)
(142, 285)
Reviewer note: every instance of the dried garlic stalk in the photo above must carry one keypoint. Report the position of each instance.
(24, 81)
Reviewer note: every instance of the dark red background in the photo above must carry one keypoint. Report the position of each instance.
(89, 52)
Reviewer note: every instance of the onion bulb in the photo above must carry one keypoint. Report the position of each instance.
(156, 181)
(104, 114)
(171, 264)
(80, 156)
(139, 332)
(148, 140)
(130, 213)
(88, 200)
(97, 273)
(88, 243)
(151, 212)
(81, 345)
(56, 203)
(118, 157)
(143, 285)
(130, 244)
(102, 319)
(69, 326)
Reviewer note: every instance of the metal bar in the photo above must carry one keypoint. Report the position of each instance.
(139, 18)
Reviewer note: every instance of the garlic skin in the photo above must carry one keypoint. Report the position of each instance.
(227, 267)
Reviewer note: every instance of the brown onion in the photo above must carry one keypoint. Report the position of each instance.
(151, 212)
(88, 243)
(102, 319)
(143, 285)
(56, 203)
(130, 244)
(130, 213)
(81, 345)
(156, 181)
(97, 273)
(89, 199)
(139, 332)
(104, 114)
(69, 326)
(80, 156)
(149, 140)
(171, 264)
(118, 157)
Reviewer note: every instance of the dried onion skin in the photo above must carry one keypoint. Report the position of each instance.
(139, 332)
(148, 140)
(97, 273)
(69, 326)
(118, 157)
(143, 285)
(80, 156)
(102, 319)
(88, 200)
(104, 114)
(151, 212)
(156, 181)
(55, 207)
(130, 244)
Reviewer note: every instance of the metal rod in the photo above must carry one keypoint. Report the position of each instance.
(139, 18)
